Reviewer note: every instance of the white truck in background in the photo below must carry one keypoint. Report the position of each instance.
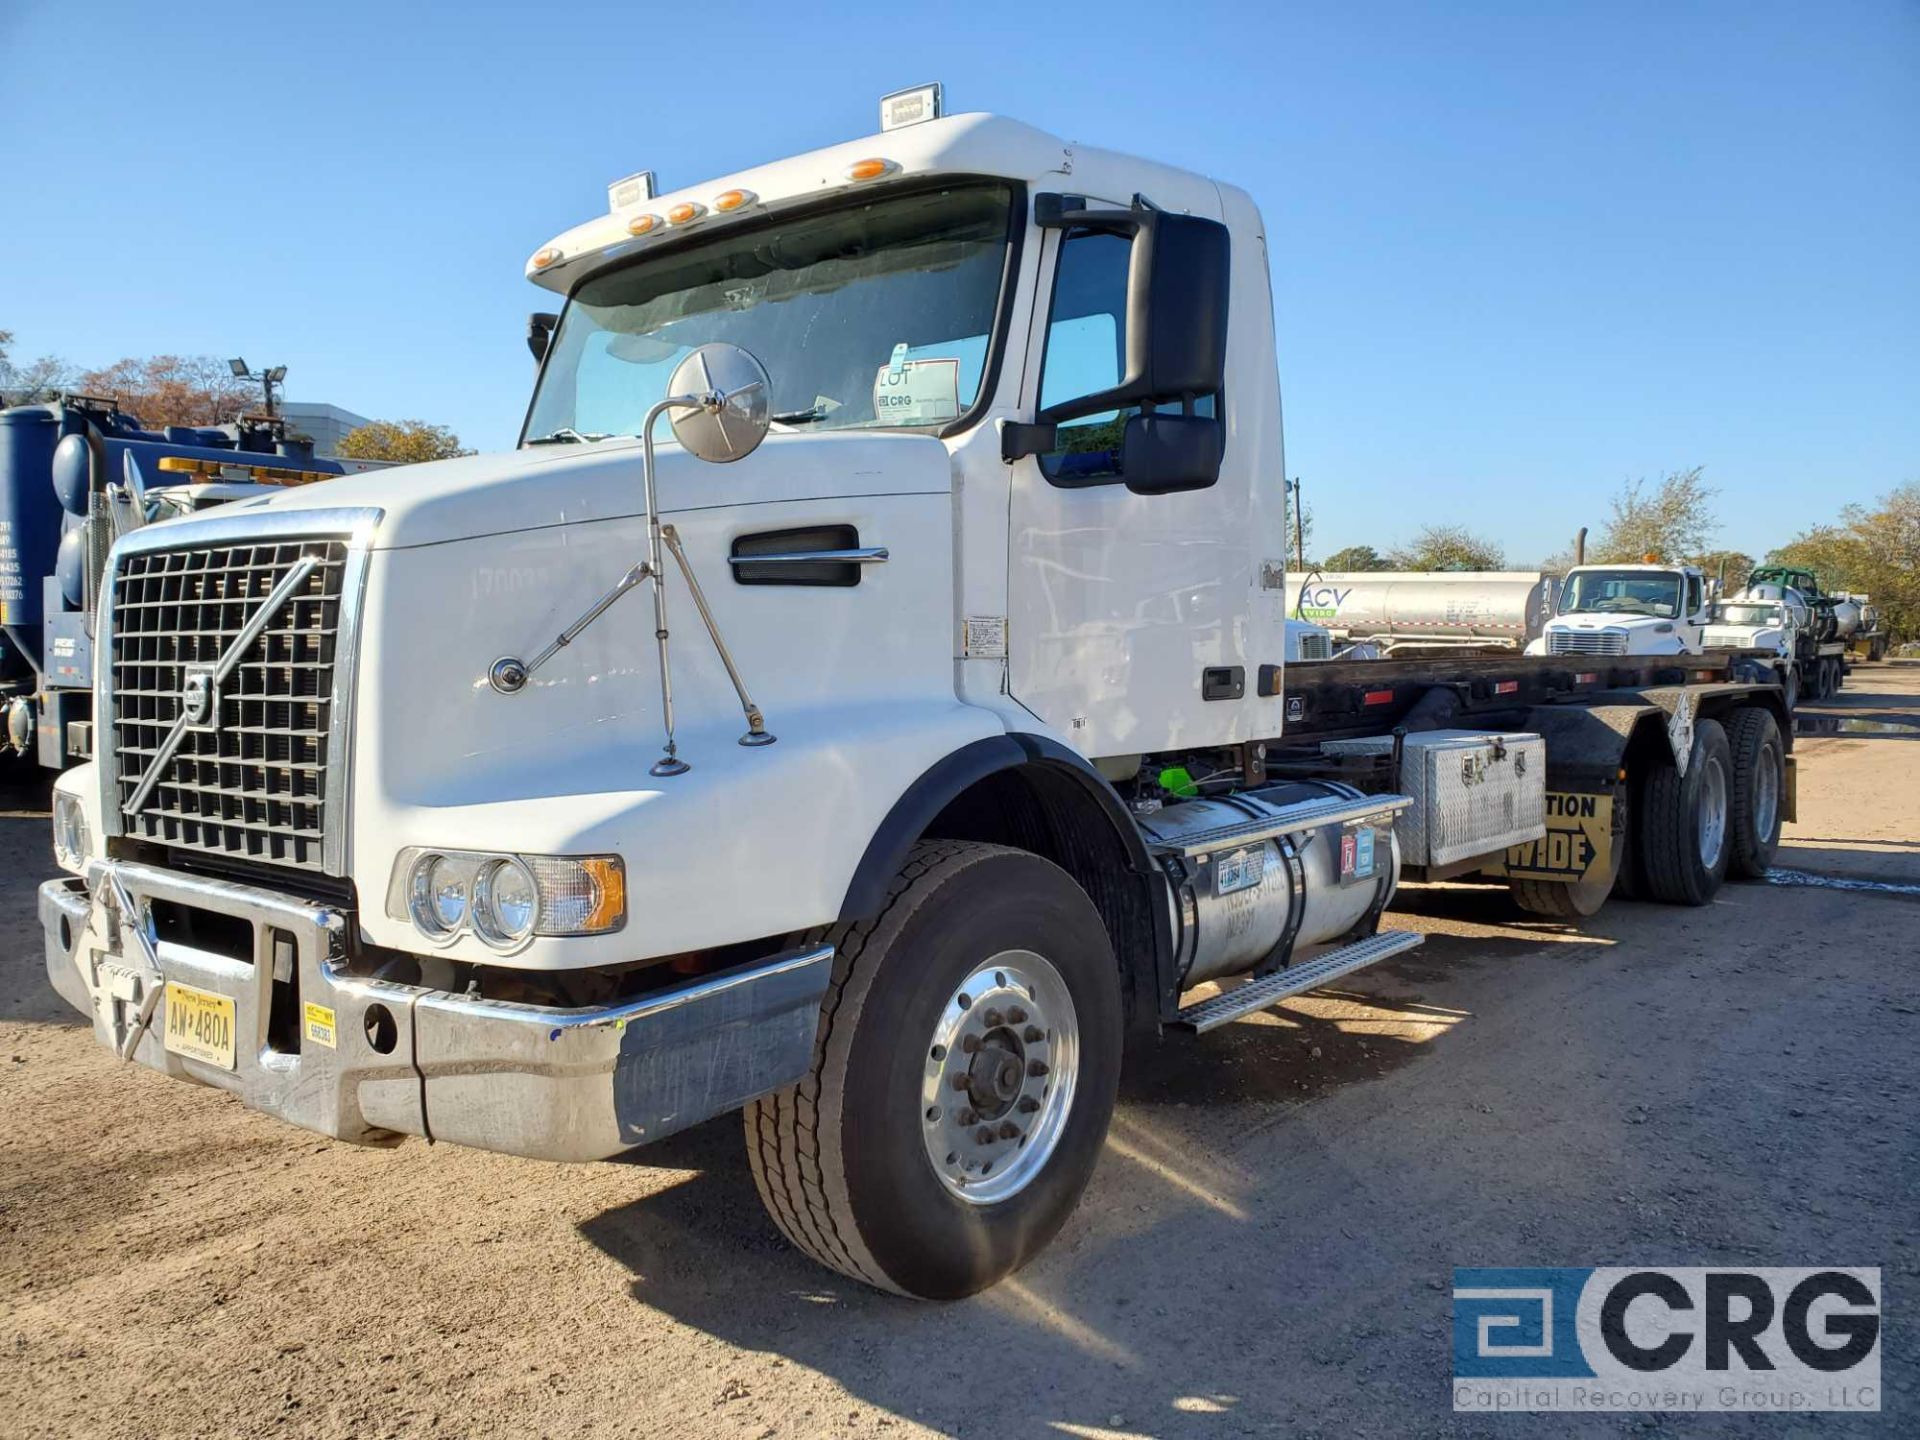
(1645, 609)
(951, 742)
(1406, 613)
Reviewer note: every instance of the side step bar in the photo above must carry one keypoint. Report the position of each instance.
(1334, 810)
(1295, 980)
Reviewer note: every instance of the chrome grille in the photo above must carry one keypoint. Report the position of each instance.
(1316, 647)
(1586, 642)
(248, 780)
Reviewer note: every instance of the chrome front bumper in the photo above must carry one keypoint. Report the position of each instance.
(554, 1084)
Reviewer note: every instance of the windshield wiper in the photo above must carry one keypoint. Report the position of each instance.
(801, 417)
(566, 435)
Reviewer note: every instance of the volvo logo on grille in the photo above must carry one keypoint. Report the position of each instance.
(196, 697)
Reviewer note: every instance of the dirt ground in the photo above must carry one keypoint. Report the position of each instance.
(1267, 1247)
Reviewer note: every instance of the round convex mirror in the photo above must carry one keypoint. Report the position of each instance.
(733, 420)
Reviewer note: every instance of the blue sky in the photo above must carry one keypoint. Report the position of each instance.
(1522, 252)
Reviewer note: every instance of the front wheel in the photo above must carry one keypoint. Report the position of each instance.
(963, 1077)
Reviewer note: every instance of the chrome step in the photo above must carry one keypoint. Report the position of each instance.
(1295, 980)
(1335, 810)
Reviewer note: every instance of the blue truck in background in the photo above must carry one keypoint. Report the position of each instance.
(75, 473)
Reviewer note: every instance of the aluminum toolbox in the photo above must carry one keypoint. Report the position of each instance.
(1473, 793)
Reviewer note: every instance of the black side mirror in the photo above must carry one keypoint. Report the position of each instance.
(540, 326)
(1165, 454)
(1176, 303)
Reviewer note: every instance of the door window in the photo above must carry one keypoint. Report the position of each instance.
(1087, 353)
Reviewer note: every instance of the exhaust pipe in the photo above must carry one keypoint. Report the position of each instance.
(1580, 547)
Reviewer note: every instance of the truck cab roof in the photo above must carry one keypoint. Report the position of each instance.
(971, 144)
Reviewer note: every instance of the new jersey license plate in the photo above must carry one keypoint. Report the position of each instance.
(199, 1025)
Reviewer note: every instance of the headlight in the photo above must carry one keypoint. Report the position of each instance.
(438, 902)
(505, 902)
(507, 899)
(71, 841)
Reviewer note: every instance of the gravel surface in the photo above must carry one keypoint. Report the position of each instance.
(1266, 1249)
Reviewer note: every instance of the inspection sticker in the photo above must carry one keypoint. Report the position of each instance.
(917, 392)
(319, 1024)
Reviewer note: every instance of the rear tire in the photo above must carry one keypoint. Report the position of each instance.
(1759, 781)
(1560, 900)
(844, 1160)
(1685, 827)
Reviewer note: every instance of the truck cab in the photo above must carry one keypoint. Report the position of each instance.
(1645, 609)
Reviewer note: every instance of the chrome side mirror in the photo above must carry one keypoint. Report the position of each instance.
(730, 403)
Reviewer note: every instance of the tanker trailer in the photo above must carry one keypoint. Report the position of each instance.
(1426, 612)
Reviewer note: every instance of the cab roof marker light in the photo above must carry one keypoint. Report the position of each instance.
(871, 169)
(730, 200)
(543, 258)
(685, 212)
(911, 106)
(643, 224)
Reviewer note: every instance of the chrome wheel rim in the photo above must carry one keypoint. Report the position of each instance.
(1713, 812)
(1766, 796)
(998, 1077)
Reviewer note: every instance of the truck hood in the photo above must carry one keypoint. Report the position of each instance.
(1744, 637)
(1607, 621)
(553, 485)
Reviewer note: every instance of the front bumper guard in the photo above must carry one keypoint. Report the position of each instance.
(533, 1080)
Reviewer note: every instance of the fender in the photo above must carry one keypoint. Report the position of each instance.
(927, 796)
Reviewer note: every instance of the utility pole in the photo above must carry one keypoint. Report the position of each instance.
(1299, 529)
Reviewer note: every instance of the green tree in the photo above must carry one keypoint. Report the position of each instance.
(406, 442)
(1356, 557)
(1733, 565)
(1447, 547)
(1673, 519)
(1873, 552)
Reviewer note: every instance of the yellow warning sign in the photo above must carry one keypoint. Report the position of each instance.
(1578, 844)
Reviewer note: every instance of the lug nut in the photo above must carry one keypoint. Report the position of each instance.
(959, 1082)
(970, 1044)
(1036, 1068)
(984, 1135)
(1028, 1105)
(1016, 1016)
(1008, 1130)
(1033, 1035)
(994, 1019)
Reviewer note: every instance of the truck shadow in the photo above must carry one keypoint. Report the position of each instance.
(26, 856)
(1117, 1325)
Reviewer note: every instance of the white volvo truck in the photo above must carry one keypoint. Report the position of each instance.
(946, 743)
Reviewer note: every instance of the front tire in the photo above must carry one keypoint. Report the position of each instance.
(990, 969)
(1685, 825)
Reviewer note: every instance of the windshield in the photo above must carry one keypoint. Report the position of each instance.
(1738, 612)
(870, 315)
(1627, 592)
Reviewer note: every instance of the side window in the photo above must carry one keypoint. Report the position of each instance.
(1693, 597)
(1087, 353)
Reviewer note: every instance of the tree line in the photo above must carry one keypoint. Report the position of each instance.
(164, 390)
(1868, 549)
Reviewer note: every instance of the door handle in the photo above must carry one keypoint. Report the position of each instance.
(866, 555)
